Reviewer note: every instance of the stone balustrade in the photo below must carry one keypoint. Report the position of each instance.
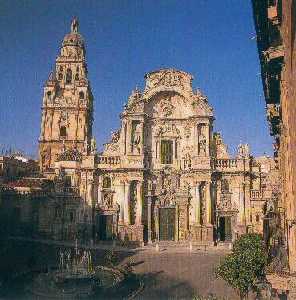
(108, 160)
(255, 194)
(225, 163)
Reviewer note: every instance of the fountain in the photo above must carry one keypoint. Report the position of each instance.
(76, 277)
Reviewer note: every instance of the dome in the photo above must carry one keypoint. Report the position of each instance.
(73, 39)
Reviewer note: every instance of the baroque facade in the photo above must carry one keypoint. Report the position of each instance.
(164, 174)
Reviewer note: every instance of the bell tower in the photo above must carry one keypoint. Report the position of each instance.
(67, 107)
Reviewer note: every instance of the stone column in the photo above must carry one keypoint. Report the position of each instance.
(129, 136)
(99, 192)
(209, 203)
(90, 198)
(43, 125)
(149, 198)
(197, 203)
(207, 134)
(139, 204)
(121, 200)
(126, 203)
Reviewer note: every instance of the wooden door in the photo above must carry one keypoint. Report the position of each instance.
(167, 224)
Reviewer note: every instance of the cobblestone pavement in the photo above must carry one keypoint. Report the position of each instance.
(177, 274)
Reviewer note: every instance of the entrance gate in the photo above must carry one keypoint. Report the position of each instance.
(106, 227)
(225, 229)
(167, 224)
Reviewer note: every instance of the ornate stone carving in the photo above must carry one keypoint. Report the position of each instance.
(108, 201)
(45, 158)
(202, 144)
(167, 130)
(167, 78)
(136, 138)
(165, 108)
(70, 155)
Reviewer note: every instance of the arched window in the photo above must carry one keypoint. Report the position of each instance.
(81, 95)
(63, 132)
(60, 77)
(68, 76)
(76, 76)
(48, 94)
(106, 183)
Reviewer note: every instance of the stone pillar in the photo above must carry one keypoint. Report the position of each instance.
(139, 204)
(126, 203)
(207, 134)
(208, 203)
(197, 203)
(90, 197)
(149, 198)
(99, 192)
(129, 136)
(42, 125)
(121, 200)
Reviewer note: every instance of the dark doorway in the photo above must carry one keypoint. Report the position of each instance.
(167, 224)
(225, 229)
(106, 227)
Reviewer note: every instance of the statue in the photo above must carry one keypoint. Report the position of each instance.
(150, 185)
(136, 138)
(85, 146)
(74, 25)
(93, 146)
(202, 144)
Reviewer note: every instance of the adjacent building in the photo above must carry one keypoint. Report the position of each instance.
(275, 22)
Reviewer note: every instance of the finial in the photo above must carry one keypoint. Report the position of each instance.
(74, 25)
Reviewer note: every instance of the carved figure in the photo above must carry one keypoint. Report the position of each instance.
(202, 144)
(45, 158)
(108, 200)
(136, 138)
(93, 146)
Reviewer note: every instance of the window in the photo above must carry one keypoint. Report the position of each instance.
(76, 76)
(81, 95)
(68, 76)
(257, 218)
(63, 132)
(166, 152)
(60, 77)
(106, 183)
(48, 94)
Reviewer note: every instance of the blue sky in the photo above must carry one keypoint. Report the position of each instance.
(125, 39)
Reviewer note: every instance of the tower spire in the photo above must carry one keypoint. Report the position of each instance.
(74, 25)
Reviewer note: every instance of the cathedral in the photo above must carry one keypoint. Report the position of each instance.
(164, 175)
